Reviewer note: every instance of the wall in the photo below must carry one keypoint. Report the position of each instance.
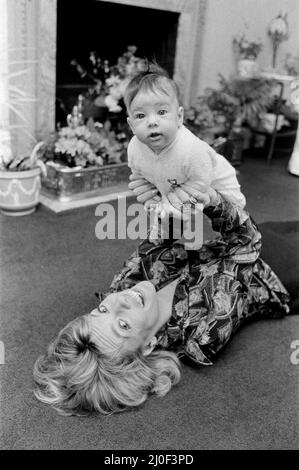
(207, 28)
(27, 39)
(226, 18)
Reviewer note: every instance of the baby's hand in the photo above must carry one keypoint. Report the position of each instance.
(198, 194)
(151, 204)
(165, 209)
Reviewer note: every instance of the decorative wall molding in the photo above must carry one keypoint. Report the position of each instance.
(46, 76)
(22, 40)
(198, 48)
(31, 26)
(4, 111)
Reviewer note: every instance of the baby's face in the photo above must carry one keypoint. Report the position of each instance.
(155, 118)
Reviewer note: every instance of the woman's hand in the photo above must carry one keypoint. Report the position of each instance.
(164, 209)
(196, 194)
(145, 192)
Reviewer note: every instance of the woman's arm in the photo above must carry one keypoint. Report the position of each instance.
(160, 264)
(240, 238)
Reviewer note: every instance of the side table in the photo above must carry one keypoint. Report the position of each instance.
(293, 164)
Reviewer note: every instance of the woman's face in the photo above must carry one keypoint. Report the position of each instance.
(128, 318)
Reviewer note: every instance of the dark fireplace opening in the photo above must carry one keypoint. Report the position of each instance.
(108, 28)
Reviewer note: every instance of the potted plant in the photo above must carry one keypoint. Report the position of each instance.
(234, 108)
(89, 153)
(19, 180)
(19, 175)
(200, 119)
(83, 158)
(242, 101)
(246, 52)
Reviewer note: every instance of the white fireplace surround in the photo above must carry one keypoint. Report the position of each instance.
(32, 30)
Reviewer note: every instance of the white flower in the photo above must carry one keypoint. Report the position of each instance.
(82, 132)
(98, 160)
(73, 147)
(123, 85)
(67, 132)
(130, 68)
(113, 81)
(112, 104)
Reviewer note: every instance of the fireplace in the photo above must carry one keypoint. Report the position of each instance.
(107, 28)
(35, 28)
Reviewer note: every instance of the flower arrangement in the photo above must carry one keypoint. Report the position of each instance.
(105, 141)
(77, 147)
(110, 81)
(199, 117)
(83, 146)
(246, 49)
(278, 31)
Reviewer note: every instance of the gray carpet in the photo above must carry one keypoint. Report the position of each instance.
(50, 267)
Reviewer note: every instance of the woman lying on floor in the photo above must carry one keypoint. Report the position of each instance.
(165, 303)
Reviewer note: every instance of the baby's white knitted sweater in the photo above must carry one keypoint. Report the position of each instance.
(187, 158)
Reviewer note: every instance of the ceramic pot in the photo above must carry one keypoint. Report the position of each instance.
(247, 68)
(19, 191)
(68, 184)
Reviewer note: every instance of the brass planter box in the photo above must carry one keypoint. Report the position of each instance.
(67, 184)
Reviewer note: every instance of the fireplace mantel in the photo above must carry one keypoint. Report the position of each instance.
(33, 22)
(189, 39)
(166, 5)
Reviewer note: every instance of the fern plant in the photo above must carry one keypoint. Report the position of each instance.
(242, 100)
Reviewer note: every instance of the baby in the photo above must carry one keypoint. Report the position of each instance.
(163, 151)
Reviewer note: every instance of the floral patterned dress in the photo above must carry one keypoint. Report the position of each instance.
(220, 286)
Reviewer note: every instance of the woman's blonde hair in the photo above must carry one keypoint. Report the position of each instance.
(75, 377)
